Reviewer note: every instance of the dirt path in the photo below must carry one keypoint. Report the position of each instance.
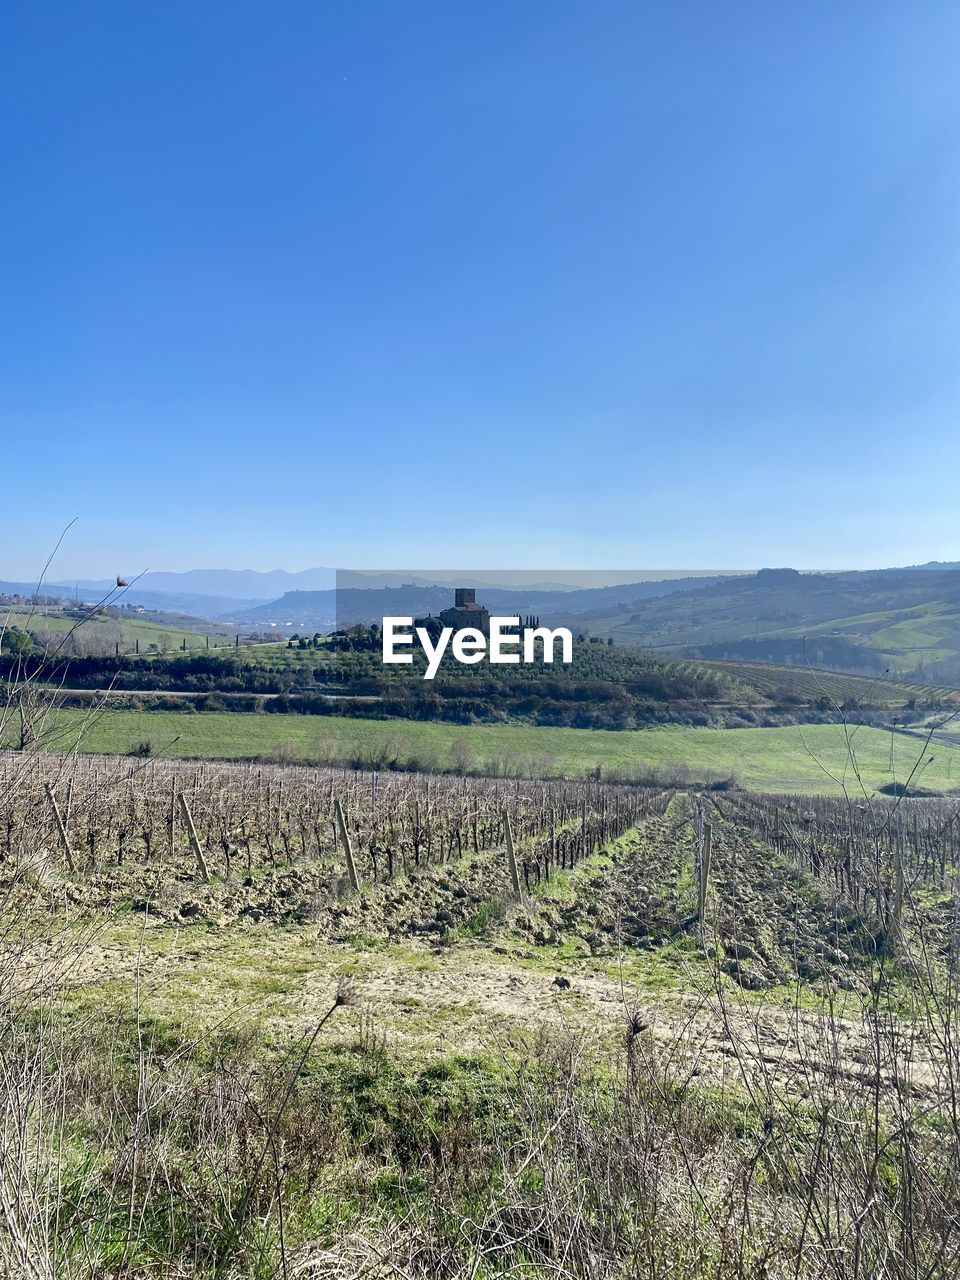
(472, 998)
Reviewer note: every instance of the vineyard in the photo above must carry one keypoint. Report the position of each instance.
(811, 685)
(111, 828)
(270, 1020)
(419, 855)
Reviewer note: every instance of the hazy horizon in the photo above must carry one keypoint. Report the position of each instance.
(329, 577)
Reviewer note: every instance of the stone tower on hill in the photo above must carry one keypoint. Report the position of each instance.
(466, 612)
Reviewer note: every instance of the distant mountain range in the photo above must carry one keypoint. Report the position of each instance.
(238, 595)
(180, 602)
(348, 605)
(934, 564)
(206, 593)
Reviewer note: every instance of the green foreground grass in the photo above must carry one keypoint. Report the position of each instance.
(808, 759)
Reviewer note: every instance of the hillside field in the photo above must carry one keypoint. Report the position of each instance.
(101, 632)
(807, 759)
(901, 620)
(808, 684)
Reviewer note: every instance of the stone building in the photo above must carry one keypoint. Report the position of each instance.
(465, 613)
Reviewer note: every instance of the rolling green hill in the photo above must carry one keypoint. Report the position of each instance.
(101, 631)
(902, 620)
(606, 686)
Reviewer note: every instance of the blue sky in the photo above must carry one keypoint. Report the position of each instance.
(594, 284)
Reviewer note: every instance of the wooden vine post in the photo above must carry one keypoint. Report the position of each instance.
(511, 854)
(61, 827)
(703, 854)
(194, 840)
(172, 822)
(705, 869)
(896, 913)
(348, 847)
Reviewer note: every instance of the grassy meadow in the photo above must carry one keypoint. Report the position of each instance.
(101, 632)
(808, 758)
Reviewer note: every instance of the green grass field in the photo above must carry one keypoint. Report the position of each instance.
(102, 631)
(800, 759)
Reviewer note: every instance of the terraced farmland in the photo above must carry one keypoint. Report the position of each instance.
(811, 684)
